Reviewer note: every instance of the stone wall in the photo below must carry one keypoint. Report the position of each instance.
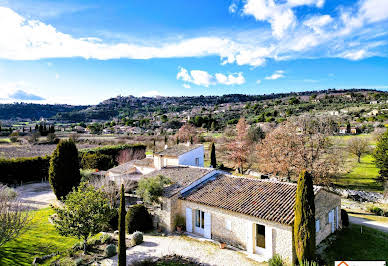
(237, 235)
(324, 202)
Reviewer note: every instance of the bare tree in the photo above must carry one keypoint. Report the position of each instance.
(14, 216)
(186, 133)
(301, 144)
(358, 147)
(239, 148)
(129, 155)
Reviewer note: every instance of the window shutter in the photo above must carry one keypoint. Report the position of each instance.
(189, 220)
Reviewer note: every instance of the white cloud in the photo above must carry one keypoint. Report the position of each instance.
(18, 91)
(186, 86)
(230, 79)
(203, 78)
(341, 34)
(258, 81)
(276, 75)
(233, 7)
(57, 76)
(153, 93)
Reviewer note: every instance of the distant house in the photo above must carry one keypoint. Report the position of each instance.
(107, 131)
(342, 130)
(247, 213)
(182, 154)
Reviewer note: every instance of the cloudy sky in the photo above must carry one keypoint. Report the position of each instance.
(82, 52)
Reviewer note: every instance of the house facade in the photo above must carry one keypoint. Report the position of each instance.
(247, 213)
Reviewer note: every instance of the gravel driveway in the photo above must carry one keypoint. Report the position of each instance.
(36, 195)
(373, 224)
(202, 251)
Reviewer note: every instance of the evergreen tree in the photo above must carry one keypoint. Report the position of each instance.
(304, 223)
(64, 171)
(122, 247)
(165, 139)
(213, 160)
(380, 155)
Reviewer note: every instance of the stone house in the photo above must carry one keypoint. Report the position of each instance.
(248, 213)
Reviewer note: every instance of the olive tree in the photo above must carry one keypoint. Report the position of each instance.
(86, 212)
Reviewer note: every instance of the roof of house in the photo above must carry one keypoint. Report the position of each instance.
(268, 200)
(126, 167)
(179, 149)
(181, 177)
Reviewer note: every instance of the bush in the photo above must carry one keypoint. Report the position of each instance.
(376, 210)
(64, 171)
(114, 150)
(179, 220)
(151, 188)
(276, 260)
(309, 263)
(17, 170)
(106, 238)
(138, 219)
(137, 238)
(110, 250)
(96, 161)
(14, 137)
(344, 218)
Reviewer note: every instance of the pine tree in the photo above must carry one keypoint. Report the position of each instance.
(213, 160)
(64, 171)
(380, 155)
(304, 223)
(122, 247)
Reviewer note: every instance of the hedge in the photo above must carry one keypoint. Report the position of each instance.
(33, 169)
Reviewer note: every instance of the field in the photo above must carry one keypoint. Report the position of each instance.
(360, 176)
(17, 150)
(40, 239)
(352, 244)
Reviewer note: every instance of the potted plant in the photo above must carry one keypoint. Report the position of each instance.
(179, 223)
(222, 245)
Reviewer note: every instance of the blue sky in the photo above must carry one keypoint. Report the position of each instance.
(82, 52)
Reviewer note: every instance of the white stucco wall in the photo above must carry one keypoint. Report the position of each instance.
(189, 157)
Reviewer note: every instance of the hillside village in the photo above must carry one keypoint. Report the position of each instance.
(233, 187)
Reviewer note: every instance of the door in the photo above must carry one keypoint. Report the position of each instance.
(208, 226)
(260, 235)
(199, 222)
(189, 220)
(331, 220)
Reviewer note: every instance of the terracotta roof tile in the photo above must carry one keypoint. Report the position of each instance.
(268, 200)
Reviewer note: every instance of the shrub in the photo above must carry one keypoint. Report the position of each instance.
(79, 261)
(110, 250)
(309, 263)
(276, 260)
(151, 188)
(96, 161)
(106, 238)
(64, 171)
(179, 220)
(137, 238)
(138, 219)
(344, 218)
(376, 210)
(17, 170)
(14, 137)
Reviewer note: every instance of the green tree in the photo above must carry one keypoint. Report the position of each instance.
(380, 155)
(151, 188)
(213, 160)
(304, 223)
(86, 212)
(64, 171)
(122, 247)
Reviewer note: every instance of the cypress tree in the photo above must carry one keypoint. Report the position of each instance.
(122, 247)
(165, 139)
(64, 171)
(213, 160)
(304, 224)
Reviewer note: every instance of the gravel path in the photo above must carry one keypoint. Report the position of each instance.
(36, 195)
(373, 224)
(203, 252)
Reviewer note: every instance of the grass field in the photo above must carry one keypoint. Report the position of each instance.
(362, 176)
(40, 239)
(351, 244)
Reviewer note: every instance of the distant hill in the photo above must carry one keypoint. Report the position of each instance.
(32, 111)
(130, 106)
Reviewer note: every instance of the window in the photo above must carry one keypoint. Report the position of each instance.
(317, 226)
(197, 161)
(260, 235)
(228, 225)
(199, 219)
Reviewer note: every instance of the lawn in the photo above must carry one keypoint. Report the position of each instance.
(362, 176)
(351, 244)
(40, 239)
